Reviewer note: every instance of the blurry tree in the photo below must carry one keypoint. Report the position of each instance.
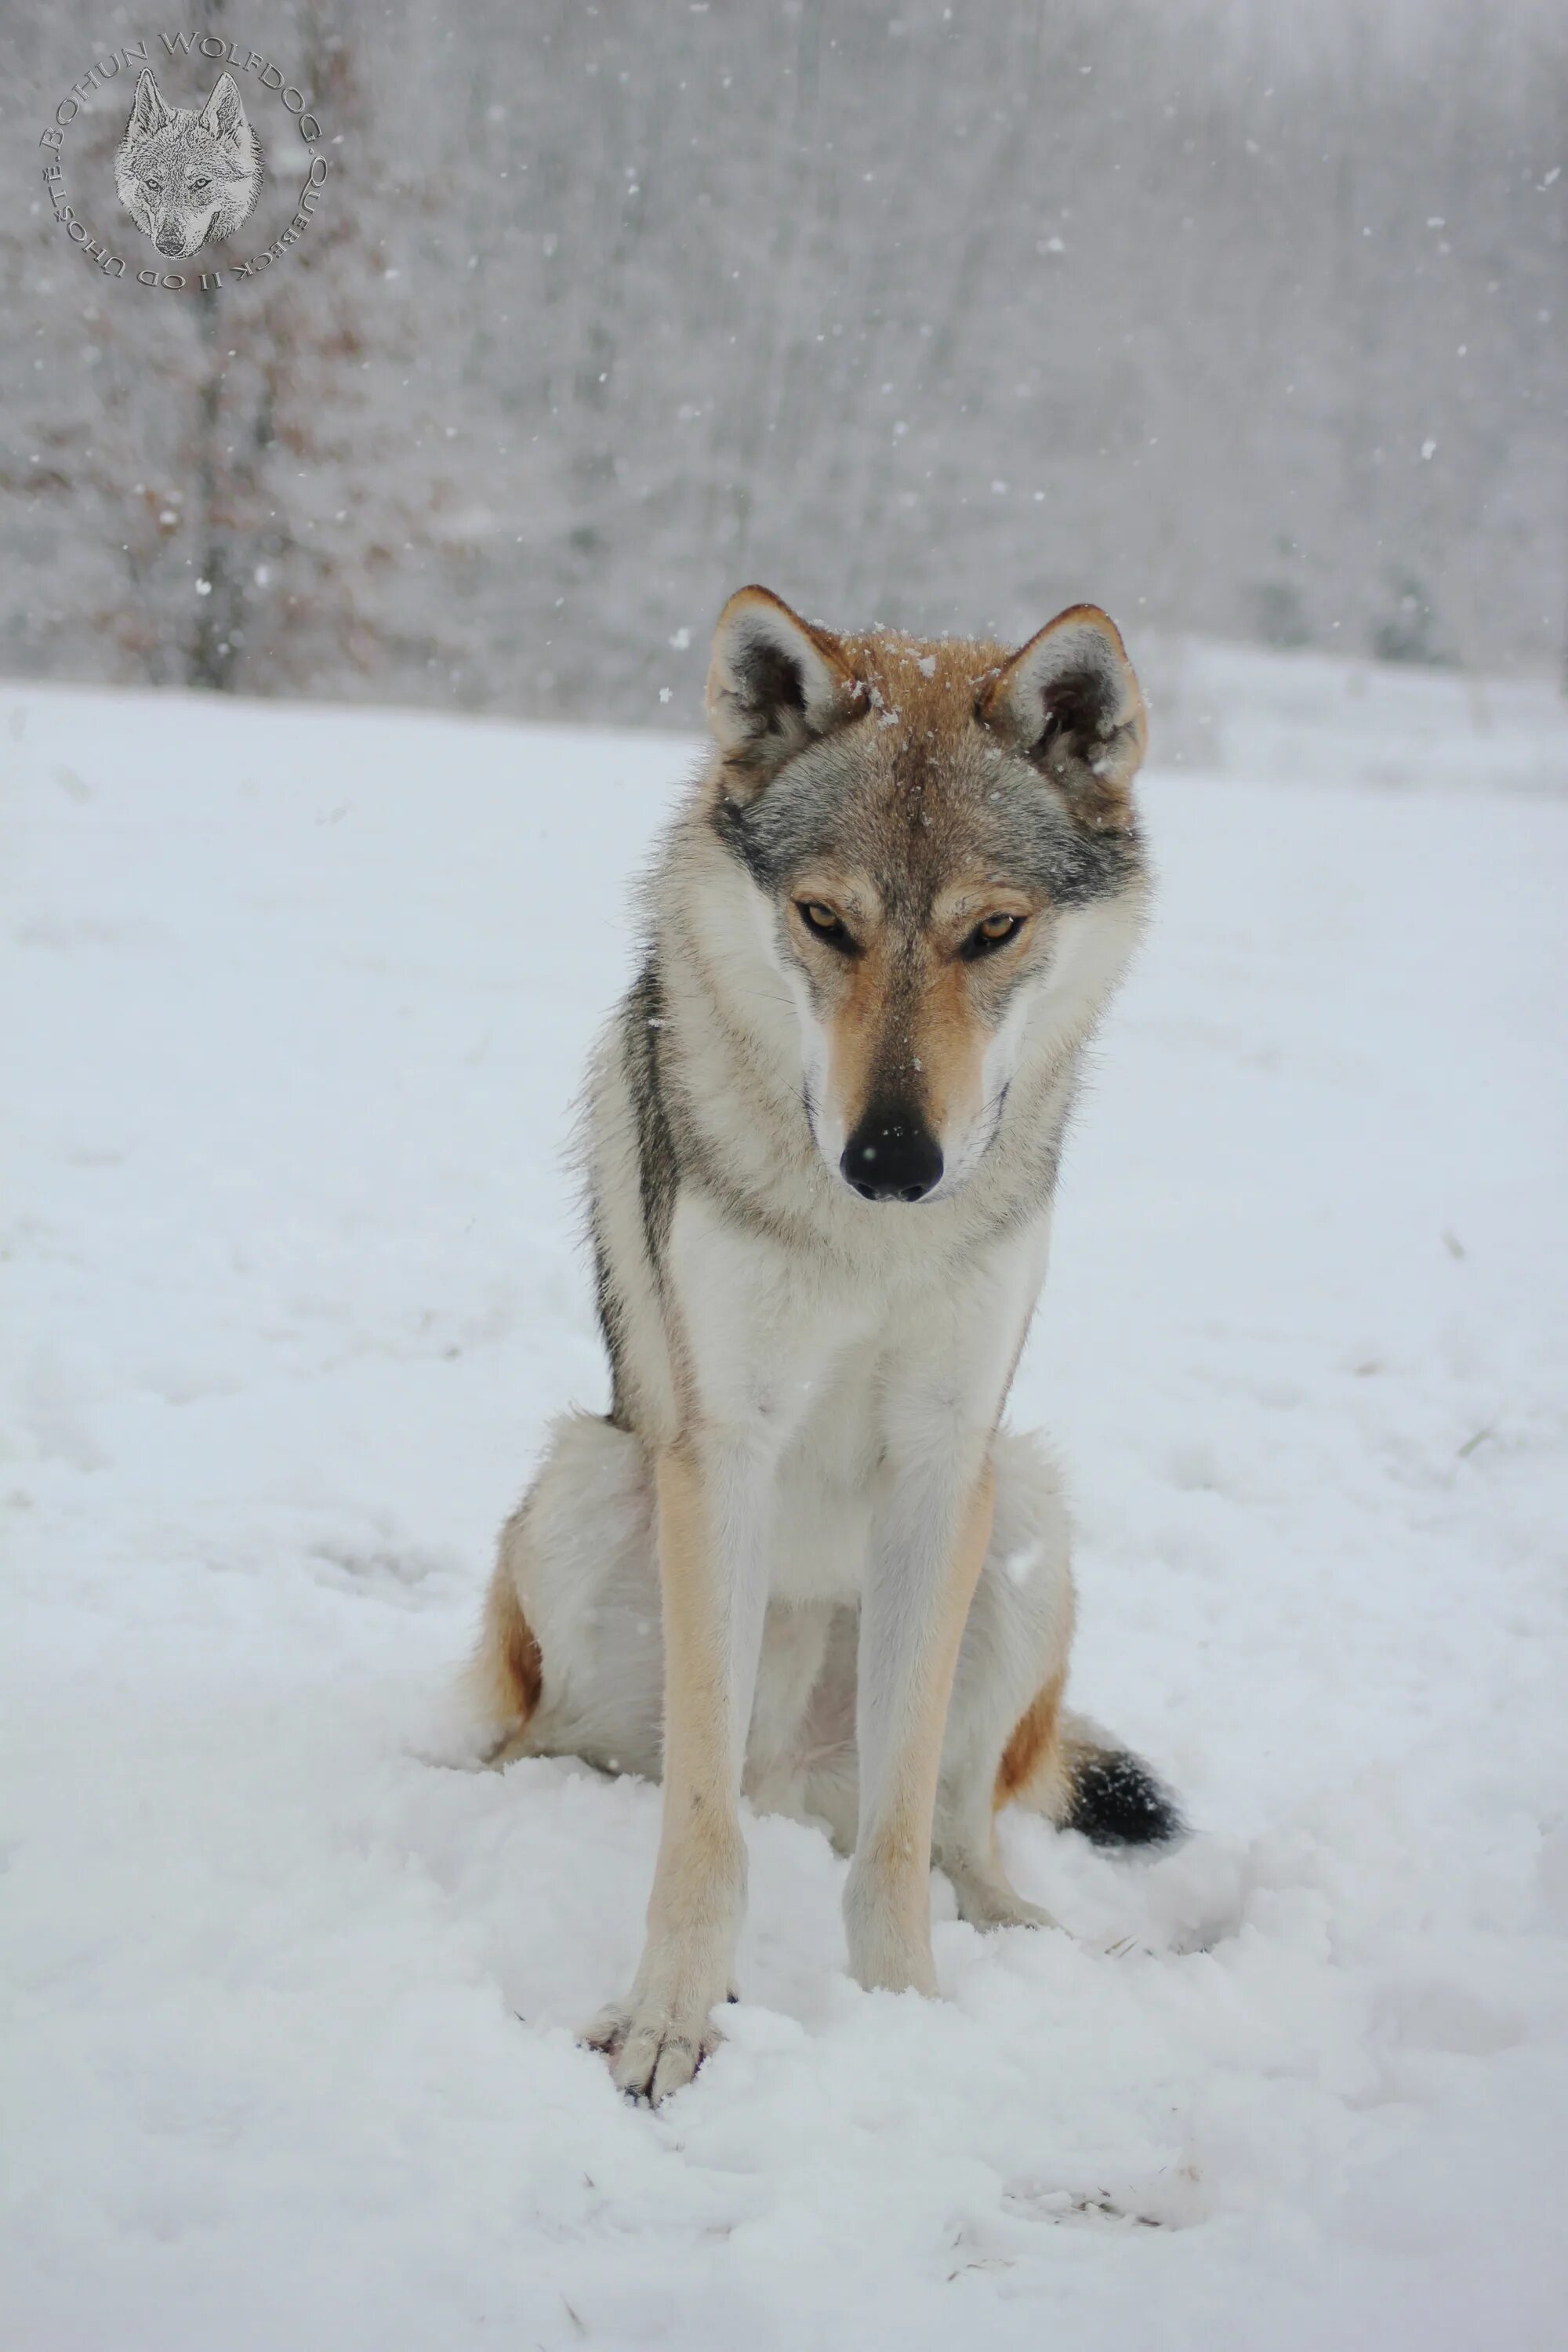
(943, 316)
(1409, 632)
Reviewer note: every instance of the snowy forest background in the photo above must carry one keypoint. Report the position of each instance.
(1245, 320)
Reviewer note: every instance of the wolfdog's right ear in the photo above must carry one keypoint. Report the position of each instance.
(774, 685)
(147, 111)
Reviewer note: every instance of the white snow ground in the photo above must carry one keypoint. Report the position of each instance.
(295, 1003)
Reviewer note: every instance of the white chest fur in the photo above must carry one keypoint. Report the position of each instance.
(832, 1377)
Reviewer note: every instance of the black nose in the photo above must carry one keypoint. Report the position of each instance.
(169, 242)
(892, 1158)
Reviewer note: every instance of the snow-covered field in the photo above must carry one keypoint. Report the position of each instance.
(1315, 718)
(294, 1005)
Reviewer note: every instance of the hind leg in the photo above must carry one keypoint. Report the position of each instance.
(1009, 1739)
(570, 1656)
(569, 1661)
(1004, 1721)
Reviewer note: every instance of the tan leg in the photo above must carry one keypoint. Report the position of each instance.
(918, 1586)
(712, 1571)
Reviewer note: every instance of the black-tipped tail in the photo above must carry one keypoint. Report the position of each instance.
(1116, 1800)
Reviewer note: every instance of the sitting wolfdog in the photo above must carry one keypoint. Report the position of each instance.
(798, 1559)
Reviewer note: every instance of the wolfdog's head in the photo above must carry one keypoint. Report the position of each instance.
(188, 179)
(942, 861)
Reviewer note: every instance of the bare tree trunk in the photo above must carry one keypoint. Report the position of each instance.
(219, 632)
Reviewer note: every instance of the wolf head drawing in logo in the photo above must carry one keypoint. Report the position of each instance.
(188, 179)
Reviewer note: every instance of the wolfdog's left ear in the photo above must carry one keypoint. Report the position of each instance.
(224, 113)
(1070, 700)
(775, 684)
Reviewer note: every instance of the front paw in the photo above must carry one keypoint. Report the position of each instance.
(888, 1928)
(654, 2046)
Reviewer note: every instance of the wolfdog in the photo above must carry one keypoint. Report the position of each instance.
(188, 179)
(799, 1560)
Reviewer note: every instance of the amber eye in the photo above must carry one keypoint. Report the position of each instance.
(992, 931)
(826, 925)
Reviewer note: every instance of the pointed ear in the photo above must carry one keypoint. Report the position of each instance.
(147, 111)
(774, 685)
(1069, 700)
(223, 114)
